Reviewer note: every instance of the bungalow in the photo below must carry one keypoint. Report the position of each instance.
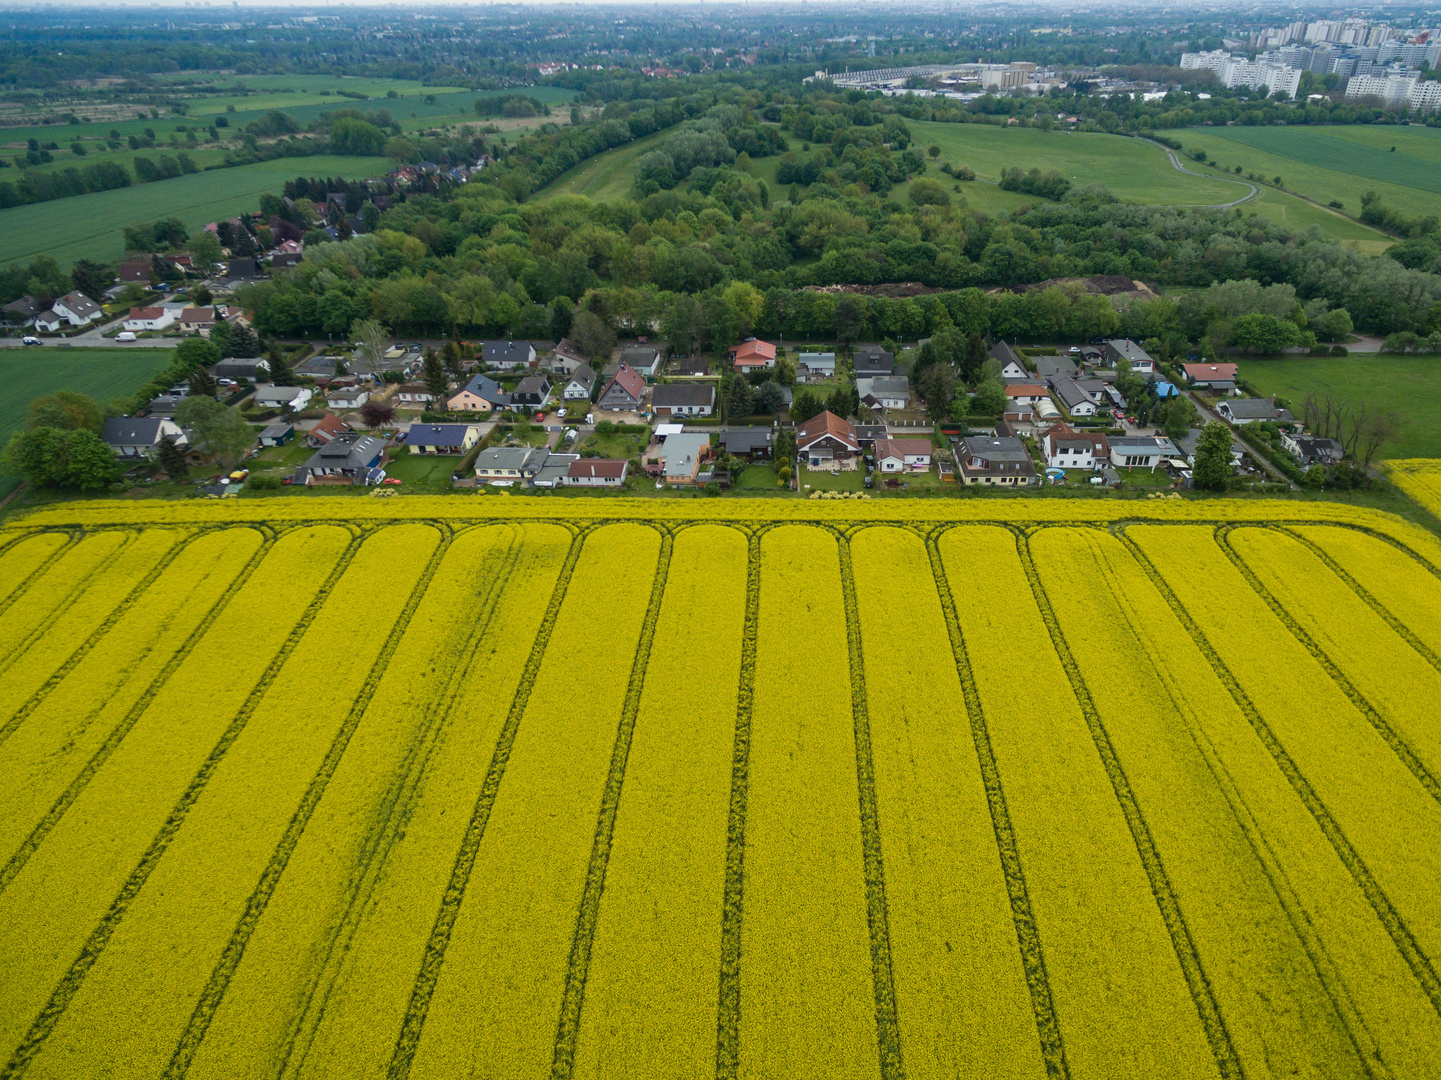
(348, 397)
(752, 443)
(1212, 376)
(884, 391)
(1055, 367)
(322, 367)
(643, 359)
(1119, 349)
(139, 437)
(624, 392)
(1248, 411)
(349, 456)
(1012, 366)
(254, 369)
(683, 399)
(872, 361)
(1004, 461)
(413, 394)
(326, 428)
(283, 397)
(277, 434)
(902, 455)
(567, 357)
(507, 465)
(679, 458)
(508, 355)
(1074, 399)
(149, 318)
(532, 392)
(1026, 393)
(753, 354)
(1312, 449)
(197, 320)
(1141, 451)
(814, 366)
(595, 472)
(1066, 448)
(579, 384)
(136, 270)
(442, 438)
(691, 367)
(826, 437)
(481, 394)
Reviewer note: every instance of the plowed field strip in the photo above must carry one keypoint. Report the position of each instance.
(1106, 942)
(963, 1005)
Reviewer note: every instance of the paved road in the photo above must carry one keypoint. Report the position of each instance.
(1252, 190)
(94, 338)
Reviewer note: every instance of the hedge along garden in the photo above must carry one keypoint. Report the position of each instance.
(728, 789)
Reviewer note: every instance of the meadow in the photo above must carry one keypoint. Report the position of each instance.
(1143, 790)
(92, 226)
(1404, 386)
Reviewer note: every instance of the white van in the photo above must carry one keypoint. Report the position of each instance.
(125, 335)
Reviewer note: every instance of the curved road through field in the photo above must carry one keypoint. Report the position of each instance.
(1252, 190)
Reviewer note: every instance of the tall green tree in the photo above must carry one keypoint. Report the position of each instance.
(219, 429)
(281, 373)
(62, 458)
(740, 398)
(172, 459)
(65, 409)
(433, 371)
(1212, 468)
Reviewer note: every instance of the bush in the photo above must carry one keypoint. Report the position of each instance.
(264, 482)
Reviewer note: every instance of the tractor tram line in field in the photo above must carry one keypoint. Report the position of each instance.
(1370, 1031)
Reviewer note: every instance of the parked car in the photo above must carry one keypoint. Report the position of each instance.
(125, 335)
(30, 339)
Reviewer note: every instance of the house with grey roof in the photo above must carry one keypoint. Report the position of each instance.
(508, 355)
(815, 366)
(349, 456)
(136, 437)
(1125, 349)
(441, 438)
(1248, 410)
(683, 399)
(884, 391)
(1055, 367)
(995, 461)
(532, 392)
(1141, 451)
(579, 385)
(1012, 366)
(1312, 449)
(643, 359)
(869, 361)
(1074, 399)
(283, 397)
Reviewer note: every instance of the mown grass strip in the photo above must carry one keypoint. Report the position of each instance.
(423, 990)
(728, 1017)
(259, 898)
(1396, 927)
(92, 639)
(1399, 746)
(888, 1036)
(578, 965)
(70, 983)
(398, 802)
(43, 827)
(1227, 1060)
(1033, 961)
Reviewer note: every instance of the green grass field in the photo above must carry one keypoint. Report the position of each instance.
(610, 175)
(1407, 386)
(91, 226)
(1342, 162)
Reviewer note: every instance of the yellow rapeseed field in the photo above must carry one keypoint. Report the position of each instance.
(645, 790)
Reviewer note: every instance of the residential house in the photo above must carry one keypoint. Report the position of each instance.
(1026, 393)
(826, 437)
(1188, 443)
(1074, 399)
(624, 393)
(1103, 392)
(1012, 366)
(753, 354)
(579, 384)
(148, 318)
(1141, 451)
(644, 360)
(21, 312)
(1066, 448)
(349, 456)
(1055, 367)
(243, 270)
(869, 434)
(285, 260)
(76, 309)
(481, 394)
(751, 443)
(1249, 411)
(326, 428)
(347, 397)
(903, 455)
(683, 399)
(254, 369)
(872, 361)
(508, 355)
(678, 460)
(277, 434)
(1212, 376)
(690, 367)
(1312, 449)
(442, 438)
(1125, 349)
(567, 357)
(507, 465)
(884, 391)
(197, 320)
(596, 472)
(139, 437)
(815, 366)
(553, 469)
(413, 395)
(1004, 461)
(532, 392)
(283, 397)
(135, 270)
(322, 367)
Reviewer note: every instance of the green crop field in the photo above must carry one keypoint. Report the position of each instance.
(1342, 162)
(1407, 387)
(90, 226)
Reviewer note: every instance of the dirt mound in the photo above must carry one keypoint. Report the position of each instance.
(897, 288)
(1100, 285)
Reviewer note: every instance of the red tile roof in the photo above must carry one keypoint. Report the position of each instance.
(1025, 390)
(629, 381)
(587, 468)
(827, 423)
(754, 352)
(1209, 372)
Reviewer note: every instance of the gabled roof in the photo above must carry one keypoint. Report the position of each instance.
(1130, 350)
(1015, 390)
(1071, 393)
(629, 381)
(1250, 408)
(673, 395)
(328, 427)
(902, 448)
(485, 388)
(754, 350)
(1211, 372)
(132, 430)
(79, 303)
(1048, 367)
(827, 423)
(585, 375)
(277, 393)
(994, 450)
(745, 440)
(506, 352)
(590, 468)
(1062, 434)
(531, 386)
(146, 313)
(198, 314)
(437, 434)
(1005, 354)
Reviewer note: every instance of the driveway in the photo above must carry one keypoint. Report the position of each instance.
(1207, 415)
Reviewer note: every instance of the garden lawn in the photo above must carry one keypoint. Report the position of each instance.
(422, 475)
(1406, 386)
